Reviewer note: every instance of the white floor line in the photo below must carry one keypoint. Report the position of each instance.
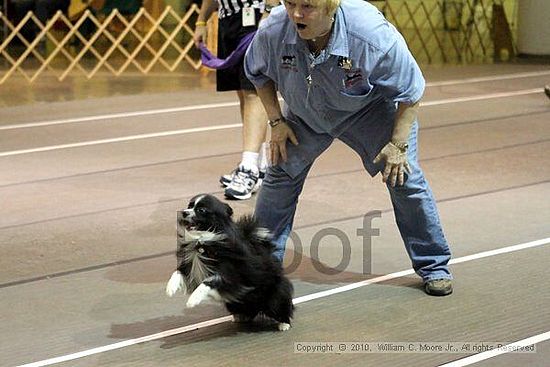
(119, 115)
(231, 126)
(490, 78)
(496, 352)
(119, 140)
(483, 97)
(129, 342)
(306, 298)
(233, 104)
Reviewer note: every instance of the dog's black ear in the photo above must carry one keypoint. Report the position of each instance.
(228, 210)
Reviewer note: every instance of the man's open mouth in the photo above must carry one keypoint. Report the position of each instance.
(301, 26)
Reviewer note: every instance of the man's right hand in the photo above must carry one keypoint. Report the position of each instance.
(279, 135)
(199, 35)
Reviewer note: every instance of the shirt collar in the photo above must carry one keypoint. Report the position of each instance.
(291, 36)
(338, 43)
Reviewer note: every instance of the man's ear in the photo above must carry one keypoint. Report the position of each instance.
(228, 210)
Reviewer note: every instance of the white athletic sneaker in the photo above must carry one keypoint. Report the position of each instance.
(225, 180)
(243, 185)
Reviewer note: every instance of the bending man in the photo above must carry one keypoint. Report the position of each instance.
(346, 73)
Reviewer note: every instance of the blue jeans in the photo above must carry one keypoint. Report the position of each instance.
(413, 203)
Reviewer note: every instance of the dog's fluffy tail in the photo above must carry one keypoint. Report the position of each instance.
(250, 229)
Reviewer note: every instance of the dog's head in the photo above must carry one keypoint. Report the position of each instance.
(205, 213)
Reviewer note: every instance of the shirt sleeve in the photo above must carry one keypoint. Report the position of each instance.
(255, 60)
(399, 75)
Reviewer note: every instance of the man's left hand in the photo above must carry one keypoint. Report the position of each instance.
(279, 135)
(396, 164)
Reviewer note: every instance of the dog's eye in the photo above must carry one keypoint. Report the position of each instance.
(201, 210)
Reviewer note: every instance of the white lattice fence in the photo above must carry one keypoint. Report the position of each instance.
(115, 43)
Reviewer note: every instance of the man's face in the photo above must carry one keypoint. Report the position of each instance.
(311, 21)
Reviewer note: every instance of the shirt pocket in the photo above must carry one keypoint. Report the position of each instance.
(354, 82)
(352, 100)
(355, 90)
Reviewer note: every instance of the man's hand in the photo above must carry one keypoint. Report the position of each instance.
(199, 35)
(279, 135)
(396, 164)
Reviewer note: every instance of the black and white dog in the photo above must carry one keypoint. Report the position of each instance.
(229, 262)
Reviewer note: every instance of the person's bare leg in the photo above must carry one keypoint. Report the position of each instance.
(241, 104)
(254, 120)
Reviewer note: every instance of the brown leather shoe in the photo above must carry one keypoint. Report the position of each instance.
(438, 287)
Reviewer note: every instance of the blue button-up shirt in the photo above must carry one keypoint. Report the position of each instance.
(366, 60)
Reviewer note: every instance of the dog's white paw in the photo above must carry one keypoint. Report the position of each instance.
(192, 302)
(174, 284)
(284, 326)
(200, 294)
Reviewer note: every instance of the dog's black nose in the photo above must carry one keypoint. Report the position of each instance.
(184, 214)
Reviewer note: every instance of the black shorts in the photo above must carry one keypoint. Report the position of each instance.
(230, 31)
